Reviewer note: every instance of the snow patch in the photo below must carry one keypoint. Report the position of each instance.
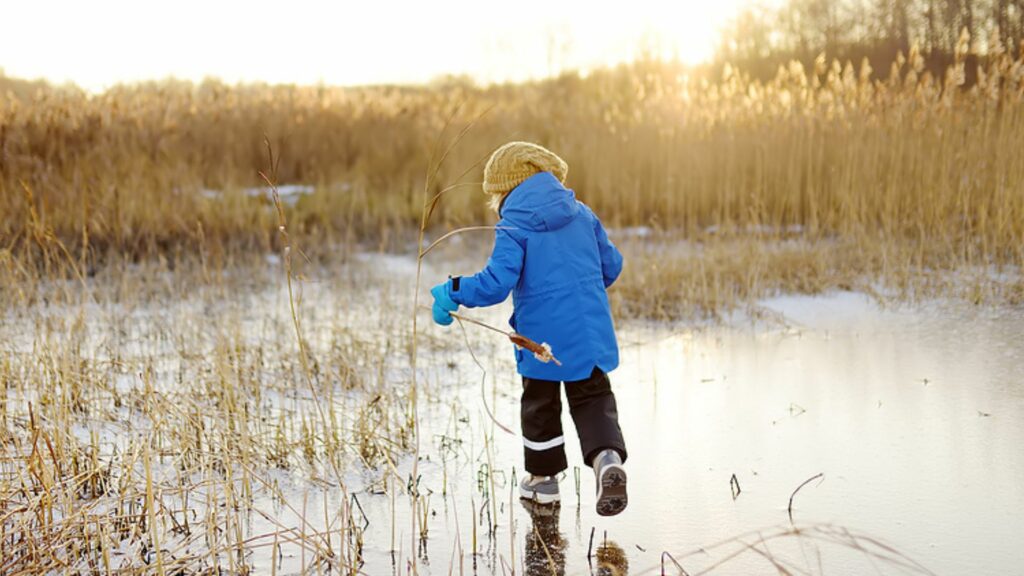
(289, 193)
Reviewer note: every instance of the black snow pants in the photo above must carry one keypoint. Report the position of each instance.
(592, 406)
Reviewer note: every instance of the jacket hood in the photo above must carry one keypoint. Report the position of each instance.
(541, 203)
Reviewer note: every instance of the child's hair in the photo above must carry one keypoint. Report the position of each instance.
(513, 163)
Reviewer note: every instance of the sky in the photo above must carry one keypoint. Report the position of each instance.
(98, 43)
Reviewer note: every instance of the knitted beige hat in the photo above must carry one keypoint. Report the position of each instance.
(515, 162)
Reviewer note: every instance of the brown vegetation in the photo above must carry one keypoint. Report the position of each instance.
(917, 174)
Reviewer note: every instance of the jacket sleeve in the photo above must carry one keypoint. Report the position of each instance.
(492, 284)
(611, 258)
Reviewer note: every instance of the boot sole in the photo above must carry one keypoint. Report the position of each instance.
(611, 490)
(539, 498)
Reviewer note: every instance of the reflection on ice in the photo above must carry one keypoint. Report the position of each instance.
(912, 414)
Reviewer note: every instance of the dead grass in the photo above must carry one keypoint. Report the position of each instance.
(146, 435)
(915, 174)
(146, 438)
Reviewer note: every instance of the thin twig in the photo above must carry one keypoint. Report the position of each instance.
(432, 170)
(670, 557)
(459, 231)
(789, 509)
(483, 376)
(734, 486)
(539, 350)
(481, 324)
(590, 546)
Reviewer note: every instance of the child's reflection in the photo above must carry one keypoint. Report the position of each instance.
(545, 546)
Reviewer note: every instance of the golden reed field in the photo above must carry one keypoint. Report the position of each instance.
(908, 186)
(244, 421)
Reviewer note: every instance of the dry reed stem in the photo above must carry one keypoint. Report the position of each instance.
(868, 546)
(789, 508)
(917, 176)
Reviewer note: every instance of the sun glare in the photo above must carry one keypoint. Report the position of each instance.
(97, 44)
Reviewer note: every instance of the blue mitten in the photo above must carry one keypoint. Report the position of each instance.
(443, 303)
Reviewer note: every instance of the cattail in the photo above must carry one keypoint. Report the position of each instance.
(540, 351)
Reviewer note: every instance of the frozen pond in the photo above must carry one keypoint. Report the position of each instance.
(912, 415)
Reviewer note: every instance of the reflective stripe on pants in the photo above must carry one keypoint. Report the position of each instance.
(593, 410)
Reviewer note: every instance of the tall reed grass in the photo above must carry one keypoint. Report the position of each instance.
(917, 168)
(155, 437)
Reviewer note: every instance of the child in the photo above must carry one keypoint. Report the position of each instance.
(552, 253)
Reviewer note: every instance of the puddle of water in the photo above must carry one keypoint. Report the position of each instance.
(912, 415)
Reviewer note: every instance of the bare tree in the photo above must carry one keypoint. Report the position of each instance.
(879, 30)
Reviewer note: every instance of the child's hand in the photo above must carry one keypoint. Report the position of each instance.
(443, 304)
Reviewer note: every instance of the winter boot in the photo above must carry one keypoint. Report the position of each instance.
(611, 483)
(540, 489)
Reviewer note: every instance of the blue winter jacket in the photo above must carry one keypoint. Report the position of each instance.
(553, 254)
